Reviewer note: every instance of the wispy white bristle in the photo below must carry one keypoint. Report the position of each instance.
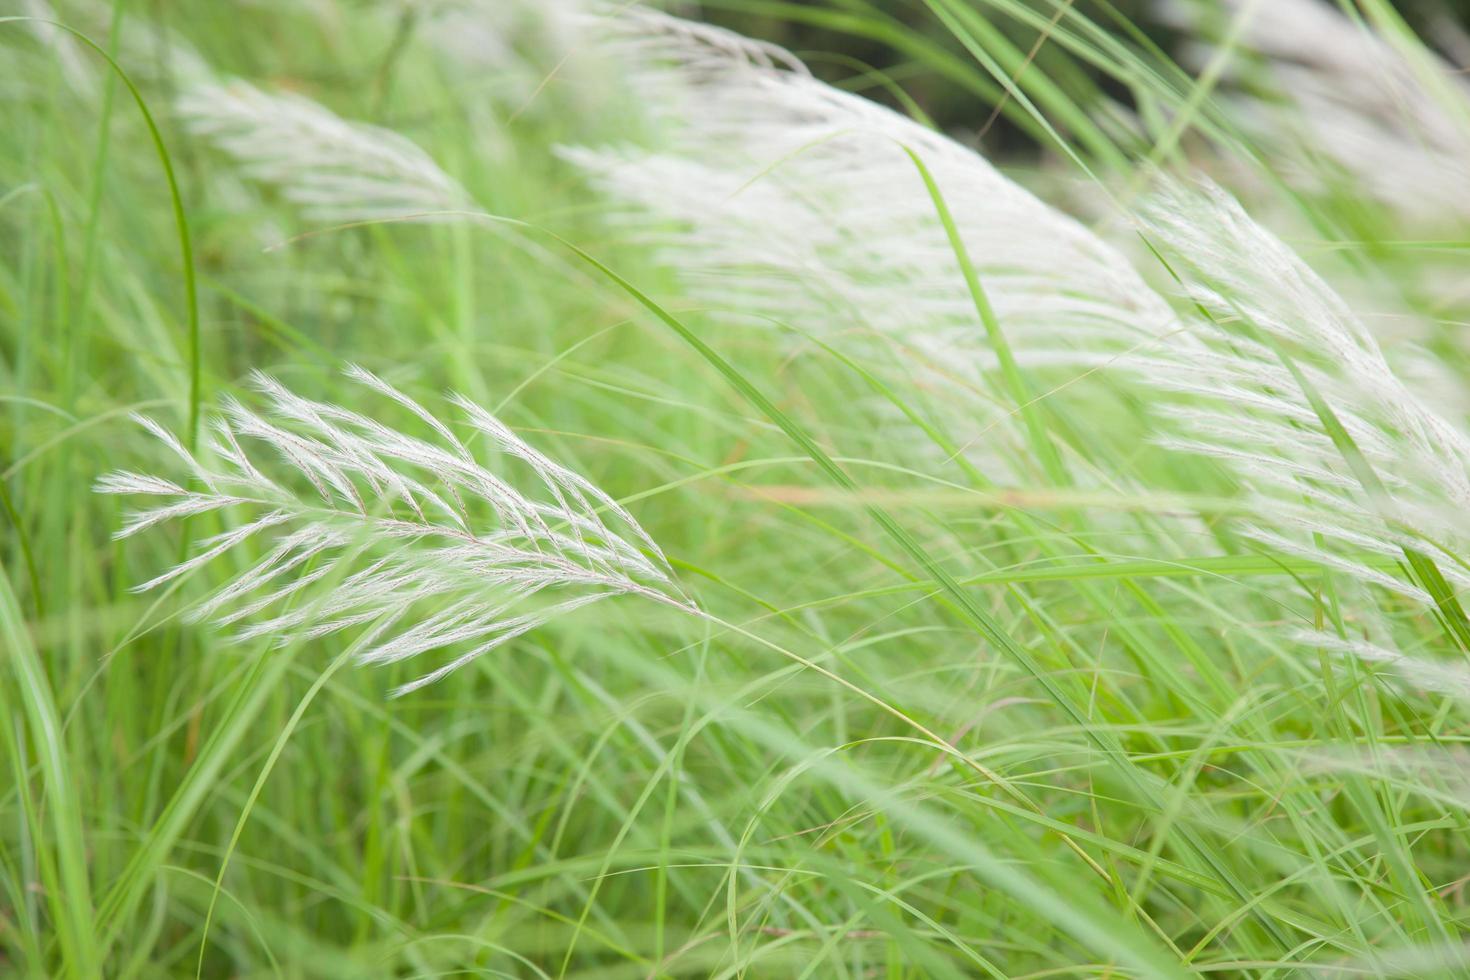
(1399, 127)
(146, 50)
(775, 195)
(333, 169)
(1266, 312)
(1419, 673)
(414, 540)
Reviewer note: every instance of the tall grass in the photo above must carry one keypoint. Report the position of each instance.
(839, 553)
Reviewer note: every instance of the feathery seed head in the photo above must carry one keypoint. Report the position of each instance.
(1275, 362)
(332, 169)
(413, 540)
(776, 194)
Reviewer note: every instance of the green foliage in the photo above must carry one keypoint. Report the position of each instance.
(1014, 699)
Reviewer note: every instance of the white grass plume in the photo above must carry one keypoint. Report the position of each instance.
(414, 541)
(513, 47)
(332, 169)
(80, 73)
(149, 52)
(1243, 405)
(1416, 672)
(1340, 92)
(776, 195)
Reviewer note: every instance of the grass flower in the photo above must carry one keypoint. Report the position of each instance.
(413, 540)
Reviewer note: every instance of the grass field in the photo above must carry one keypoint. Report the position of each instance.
(857, 560)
